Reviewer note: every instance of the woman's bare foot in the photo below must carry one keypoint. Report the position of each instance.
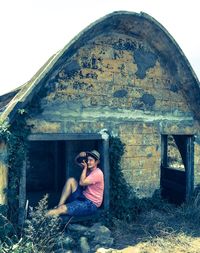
(51, 212)
(62, 209)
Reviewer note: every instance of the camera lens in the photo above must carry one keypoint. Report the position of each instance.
(81, 159)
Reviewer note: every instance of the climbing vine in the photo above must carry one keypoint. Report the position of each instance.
(4, 131)
(15, 136)
(123, 203)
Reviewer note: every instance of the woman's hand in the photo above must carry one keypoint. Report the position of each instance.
(84, 164)
(82, 154)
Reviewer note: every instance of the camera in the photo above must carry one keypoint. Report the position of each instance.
(80, 159)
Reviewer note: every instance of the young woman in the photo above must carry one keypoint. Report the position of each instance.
(86, 196)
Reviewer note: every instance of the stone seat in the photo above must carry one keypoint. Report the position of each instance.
(66, 219)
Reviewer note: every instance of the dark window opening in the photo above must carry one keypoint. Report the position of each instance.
(174, 159)
(51, 162)
(177, 164)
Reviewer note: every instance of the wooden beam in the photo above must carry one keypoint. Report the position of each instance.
(22, 194)
(164, 149)
(189, 168)
(56, 166)
(3, 172)
(106, 167)
(61, 137)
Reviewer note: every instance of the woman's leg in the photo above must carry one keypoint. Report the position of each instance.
(75, 208)
(69, 187)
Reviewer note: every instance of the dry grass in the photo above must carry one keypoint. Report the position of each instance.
(168, 230)
(171, 244)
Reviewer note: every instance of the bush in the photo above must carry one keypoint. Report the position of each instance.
(42, 231)
(7, 229)
(39, 235)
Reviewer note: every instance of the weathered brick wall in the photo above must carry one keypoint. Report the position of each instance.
(118, 73)
(3, 172)
(121, 84)
(141, 162)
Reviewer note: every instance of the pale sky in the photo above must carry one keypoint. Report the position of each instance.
(33, 30)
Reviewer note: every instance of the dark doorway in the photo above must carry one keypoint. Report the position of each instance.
(51, 161)
(45, 172)
(177, 168)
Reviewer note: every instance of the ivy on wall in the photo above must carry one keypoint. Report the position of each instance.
(123, 203)
(15, 136)
(4, 131)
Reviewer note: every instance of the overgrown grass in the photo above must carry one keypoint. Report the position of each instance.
(39, 235)
(158, 227)
(161, 228)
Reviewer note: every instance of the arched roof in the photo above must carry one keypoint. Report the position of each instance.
(133, 24)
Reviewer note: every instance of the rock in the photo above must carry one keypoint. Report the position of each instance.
(103, 241)
(97, 235)
(101, 236)
(84, 246)
(77, 228)
(97, 228)
(103, 231)
(66, 243)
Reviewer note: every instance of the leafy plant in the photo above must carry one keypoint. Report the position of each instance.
(4, 130)
(7, 230)
(40, 230)
(39, 235)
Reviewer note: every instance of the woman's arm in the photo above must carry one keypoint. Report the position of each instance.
(83, 179)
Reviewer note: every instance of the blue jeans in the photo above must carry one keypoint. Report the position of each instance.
(78, 205)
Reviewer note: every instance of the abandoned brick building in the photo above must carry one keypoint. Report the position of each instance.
(123, 76)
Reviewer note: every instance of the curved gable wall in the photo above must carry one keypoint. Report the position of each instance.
(114, 74)
(134, 25)
(144, 27)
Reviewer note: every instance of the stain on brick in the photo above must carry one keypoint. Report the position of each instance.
(92, 62)
(146, 102)
(148, 99)
(72, 66)
(144, 60)
(174, 88)
(167, 62)
(120, 93)
(125, 45)
(70, 69)
(82, 86)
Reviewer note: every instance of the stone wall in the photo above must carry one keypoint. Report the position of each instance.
(3, 172)
(112, 73)
(121, 84)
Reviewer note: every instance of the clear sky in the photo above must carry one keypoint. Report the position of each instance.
(33, 30)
